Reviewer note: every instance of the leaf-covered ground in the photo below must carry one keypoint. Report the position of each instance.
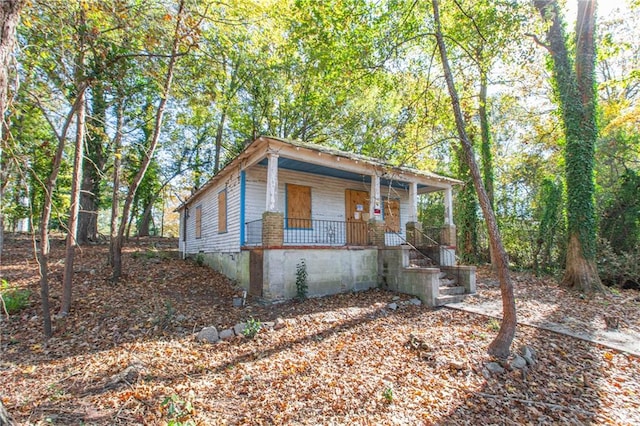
(127, 354)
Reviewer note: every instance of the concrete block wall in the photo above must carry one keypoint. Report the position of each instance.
(329, 271)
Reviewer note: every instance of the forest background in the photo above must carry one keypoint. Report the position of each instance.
(127, 106)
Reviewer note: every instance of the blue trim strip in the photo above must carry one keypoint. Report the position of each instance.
(243, 183)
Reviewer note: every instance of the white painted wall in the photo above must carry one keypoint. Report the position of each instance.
(327, 203)
(211, 240)
(327, 195)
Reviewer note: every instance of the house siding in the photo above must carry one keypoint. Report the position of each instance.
(211, 240)
(327, 195)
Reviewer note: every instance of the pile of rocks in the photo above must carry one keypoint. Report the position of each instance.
(396, 303)
(522, 361)
(212, 335)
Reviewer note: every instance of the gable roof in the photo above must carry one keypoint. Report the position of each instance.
(295, 155)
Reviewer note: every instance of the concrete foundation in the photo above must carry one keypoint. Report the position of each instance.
(329, 271)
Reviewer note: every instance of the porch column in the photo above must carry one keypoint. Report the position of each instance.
(413, 227)
(375, 203)
(413, 202)
(272, 181)
(376, 224)
(449, 228)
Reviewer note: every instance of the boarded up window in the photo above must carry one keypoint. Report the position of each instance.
(222, 211)
(298, 206)
(198, 221)
(392, 215)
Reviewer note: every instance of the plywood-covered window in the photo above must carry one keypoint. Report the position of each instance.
(298, 206)
(392, 215)
(198, 221)
(222, 211)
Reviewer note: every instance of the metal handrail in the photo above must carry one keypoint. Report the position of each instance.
(414, 248)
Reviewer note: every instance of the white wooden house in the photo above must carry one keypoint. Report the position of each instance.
(352, 219)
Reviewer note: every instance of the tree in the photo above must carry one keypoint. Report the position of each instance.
(9, 16)
(575, 89)
(118, 242)
(500, 346)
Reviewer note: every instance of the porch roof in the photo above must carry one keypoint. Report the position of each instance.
(318, 159)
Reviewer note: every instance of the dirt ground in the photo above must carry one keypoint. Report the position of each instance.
(127, 354)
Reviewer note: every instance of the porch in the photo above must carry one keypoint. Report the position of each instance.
(338, 233)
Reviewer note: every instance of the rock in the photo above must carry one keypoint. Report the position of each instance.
(529, 354)
(395, 298)
(268, 324)
(239, 328)
(415, 301)
(393, 306)
(126, 376)
(279, 323)
(494, 368)
(227, 334)
(518, 363)
(485, 373)
(456, 365)
(208, 334)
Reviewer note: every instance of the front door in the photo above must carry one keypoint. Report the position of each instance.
(357, 214)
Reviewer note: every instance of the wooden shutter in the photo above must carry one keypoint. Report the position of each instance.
(298, 206)
(392, 215)
(198, 221)
(222, 211)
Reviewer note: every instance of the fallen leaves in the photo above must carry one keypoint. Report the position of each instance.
(126, 355)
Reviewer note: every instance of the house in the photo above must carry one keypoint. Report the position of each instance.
(350, 221)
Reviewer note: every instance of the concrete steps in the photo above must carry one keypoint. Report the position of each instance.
(449, 291)
(453, 298)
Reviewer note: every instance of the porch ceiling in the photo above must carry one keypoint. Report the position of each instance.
(301, 166)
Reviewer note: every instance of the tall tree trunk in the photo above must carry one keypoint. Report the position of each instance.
(485, 138)
(485, 141)
(43, 249)
(9, 16)
(117, 244)
(466, 207)
(223, 117)
(145, 220)
(576, 93)
(113, 229)
(500, 347)
(74, 208)
(71, 242)
(93, 166)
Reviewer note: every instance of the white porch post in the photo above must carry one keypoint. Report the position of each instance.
(448, 207)
(375, 204)
(413, 202)
(272, 181)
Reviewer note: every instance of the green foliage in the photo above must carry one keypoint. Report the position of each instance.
(550, 225)
(200, 259)
(620, 222)
(252, 328)
(387, 394)
(618, 268)
(14, 299)
(493, 325)
(301, 280)
(178, 412)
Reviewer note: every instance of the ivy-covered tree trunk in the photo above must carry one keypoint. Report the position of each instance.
(485, 135)
(500, 346)
(466, 212)
(93, 166)
(577, 97)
